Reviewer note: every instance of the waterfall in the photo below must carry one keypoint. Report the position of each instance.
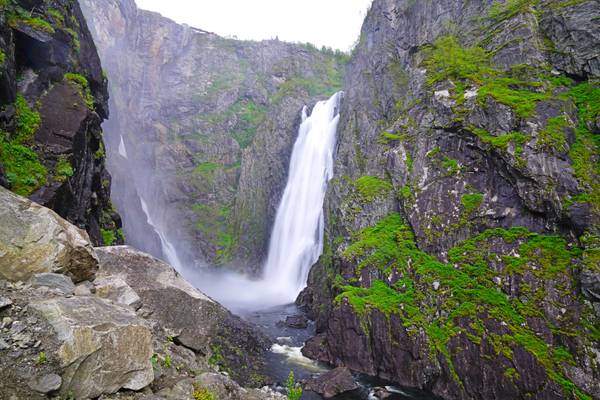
(122, 149)
(297, 236)
(167, 248)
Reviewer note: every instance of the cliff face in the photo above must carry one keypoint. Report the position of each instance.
(53, 99)
(207, 126)
(462, 224)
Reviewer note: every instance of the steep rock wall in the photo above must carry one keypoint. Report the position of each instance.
(208, 124)
(462, 224)
(53, 99)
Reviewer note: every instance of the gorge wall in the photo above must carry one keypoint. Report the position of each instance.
(462, 252)
(53, 98)
(207, 125)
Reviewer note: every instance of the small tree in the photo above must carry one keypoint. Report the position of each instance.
(294, 390)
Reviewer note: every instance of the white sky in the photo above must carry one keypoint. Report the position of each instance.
(333, 23)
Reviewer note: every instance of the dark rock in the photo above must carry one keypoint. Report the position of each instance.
(297, 321)
(590, 285)
(46, 383)
(332, 383)
(71, 115)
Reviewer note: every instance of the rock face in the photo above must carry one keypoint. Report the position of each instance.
(462, 224)
(196, 322)
(51, 147)
(332, 383)
(104, 347)
(202, 129)
(34, 239)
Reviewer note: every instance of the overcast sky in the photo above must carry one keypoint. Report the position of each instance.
(333, 23)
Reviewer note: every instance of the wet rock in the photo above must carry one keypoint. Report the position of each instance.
(223, 387)
(34, 239)
(332, 383)
(296, 321)
(46, 383)
(117, 290)
(104, 347)
(57, 282)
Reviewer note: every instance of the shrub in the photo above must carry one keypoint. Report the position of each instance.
(294, 391)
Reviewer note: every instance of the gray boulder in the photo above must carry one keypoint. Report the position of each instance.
(58, 282)
(34, 239)
(332, 383)
(104, 347)
(46, 383)
(199, 323)
(116, 289)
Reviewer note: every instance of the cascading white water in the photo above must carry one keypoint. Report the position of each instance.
(167, 248)
(297, 236)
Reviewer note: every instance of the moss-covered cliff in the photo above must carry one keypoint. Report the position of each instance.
(463, 221)
(53, 98)
(207, 123)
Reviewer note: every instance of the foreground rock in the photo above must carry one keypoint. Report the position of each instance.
(193, 320)
(34, 239)
(104, 347)
(332, 383)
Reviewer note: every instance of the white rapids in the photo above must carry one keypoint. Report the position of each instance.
(167, 248)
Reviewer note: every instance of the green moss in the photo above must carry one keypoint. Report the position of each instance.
(584, 153)
(471, 202)
(57, 16)
(450, 166)
(83, 87)
(552, 137)
(24, 172)
(33, 22)
(250, 116)
(207, 168)
(448, 59)
(371, 187)
(120, 235)
(2, 57)
(63, 170)
(27, 120)
(503, 10)
(201, 393)
(108, 236)
(466, 288)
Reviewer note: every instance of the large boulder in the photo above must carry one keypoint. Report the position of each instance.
(332, 383)
(34, 239)
(104, 347)
(197, 322)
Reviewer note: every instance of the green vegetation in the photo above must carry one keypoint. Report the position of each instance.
(371, 187)
(470, 66)
(27, 120)
(42, 359)
(167, 362)
(438, 298)
(585, 152)
(201, 393)
(471, 202)
(501, 11)
(294, 390)
(83, 87)
(326, 85)
(63, 170)
(552, 137)
(2, 57)
(24, 171)
(206, 169)
(214, 223)
(23, 17)
(108, 236)
(250, 116)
